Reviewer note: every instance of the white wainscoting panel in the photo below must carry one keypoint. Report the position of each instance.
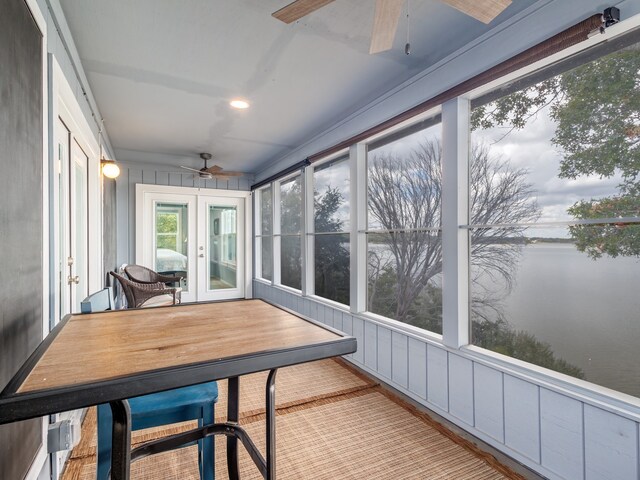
(461, 388)
(384, 352)
(399, 359)
(437, 377)
(489, 413)
(561, 434)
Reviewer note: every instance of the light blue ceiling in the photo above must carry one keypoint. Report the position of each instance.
(163, 71)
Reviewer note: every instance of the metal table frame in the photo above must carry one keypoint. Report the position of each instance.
(23, 406)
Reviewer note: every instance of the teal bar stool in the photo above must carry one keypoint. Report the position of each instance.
(196, 402)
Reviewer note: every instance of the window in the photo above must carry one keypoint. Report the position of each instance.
(228, 233)
(264, 239)
(291, 203)
(171, 249)
(404, 246)
(331, 230)
(555, 206)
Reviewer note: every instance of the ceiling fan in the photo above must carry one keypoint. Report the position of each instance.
(214, 171)
(387, 14)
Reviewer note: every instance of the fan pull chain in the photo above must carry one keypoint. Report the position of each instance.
(407, 47)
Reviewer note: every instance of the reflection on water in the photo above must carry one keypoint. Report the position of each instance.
(587, 310)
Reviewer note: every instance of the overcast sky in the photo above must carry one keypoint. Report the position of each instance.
(531, 148)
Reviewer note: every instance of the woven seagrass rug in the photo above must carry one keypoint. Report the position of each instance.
(333, 423)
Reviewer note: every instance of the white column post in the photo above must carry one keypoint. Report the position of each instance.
(276, 230)
(455, 212)
(358, 243)
(308, 270)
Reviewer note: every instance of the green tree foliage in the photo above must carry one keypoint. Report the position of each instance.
(498, 336)
(331, 253)
(291, 202)
(596, 108)
(612, 239)
(166, 230)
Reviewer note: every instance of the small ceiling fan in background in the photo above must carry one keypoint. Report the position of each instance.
(214, 171)
(387, 14)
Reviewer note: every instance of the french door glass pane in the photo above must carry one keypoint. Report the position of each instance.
(171, 232)
(223, 260)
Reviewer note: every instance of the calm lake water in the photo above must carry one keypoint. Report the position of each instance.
(587, 310)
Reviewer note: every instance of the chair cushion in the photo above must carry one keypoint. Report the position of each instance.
(171, 399)
(159, 301)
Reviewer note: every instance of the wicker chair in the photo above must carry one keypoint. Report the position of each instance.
(141, 274)
(141, 294)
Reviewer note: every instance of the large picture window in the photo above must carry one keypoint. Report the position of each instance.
(331, 230)
(554, 270)
(404, 242)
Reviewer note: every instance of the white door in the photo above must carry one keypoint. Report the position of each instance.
(171, 247)
(220, 248)
(198, 236)
(73, 216)
(78, 278)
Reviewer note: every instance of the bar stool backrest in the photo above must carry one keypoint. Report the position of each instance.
(98, 302)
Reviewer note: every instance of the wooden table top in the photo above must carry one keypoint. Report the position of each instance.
(103, 346)
(98, 358)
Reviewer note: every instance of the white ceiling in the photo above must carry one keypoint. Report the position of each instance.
(164, 71)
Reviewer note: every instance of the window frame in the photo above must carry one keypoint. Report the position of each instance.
(277, 231)
(432, 117)
(258, 235)
(310, 233)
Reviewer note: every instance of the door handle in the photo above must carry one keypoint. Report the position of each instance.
(201, 255)
(71, 279)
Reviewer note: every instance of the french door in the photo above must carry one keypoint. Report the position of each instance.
(73, 214)
(200, 236)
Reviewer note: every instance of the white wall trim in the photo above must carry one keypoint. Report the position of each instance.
(66, 107)
(148, 188)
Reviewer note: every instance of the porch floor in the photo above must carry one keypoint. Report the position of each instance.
(333, 423)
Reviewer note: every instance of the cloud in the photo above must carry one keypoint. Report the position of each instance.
(531, 149)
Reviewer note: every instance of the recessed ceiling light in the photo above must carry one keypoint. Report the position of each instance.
(241, 104)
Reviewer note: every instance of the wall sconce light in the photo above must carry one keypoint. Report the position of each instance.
(109, 168)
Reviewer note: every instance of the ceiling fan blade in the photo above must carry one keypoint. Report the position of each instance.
(385, 24)
(189, 168)
(298, 9)
(483, 10)
(218, 171)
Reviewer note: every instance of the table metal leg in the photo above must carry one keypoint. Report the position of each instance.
(271, 425)
(233, 411)
(120, 440)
